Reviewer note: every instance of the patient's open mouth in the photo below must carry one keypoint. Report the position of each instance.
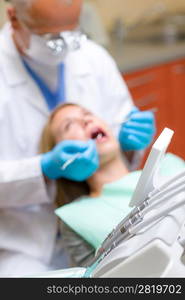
(98, 134)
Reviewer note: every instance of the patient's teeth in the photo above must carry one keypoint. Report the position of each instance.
(99, 136)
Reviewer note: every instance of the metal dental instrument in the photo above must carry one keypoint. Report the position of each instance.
(168, 191)
(133, 230)
(119, 120)
(161, 214)
(133, 217)
(138, 213)
(154, 202)
(70, 161)
(167, 183)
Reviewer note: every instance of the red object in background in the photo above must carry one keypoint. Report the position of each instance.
(162, 88)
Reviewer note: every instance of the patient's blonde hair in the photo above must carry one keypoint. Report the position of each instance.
(67, 190)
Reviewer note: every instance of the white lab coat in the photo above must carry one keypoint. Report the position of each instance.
(28, 225)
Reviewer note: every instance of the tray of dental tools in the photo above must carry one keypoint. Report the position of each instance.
(158, 209)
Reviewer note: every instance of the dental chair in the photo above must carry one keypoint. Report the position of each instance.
(150, 241)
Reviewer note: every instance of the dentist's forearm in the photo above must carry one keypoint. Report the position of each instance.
(22, 183)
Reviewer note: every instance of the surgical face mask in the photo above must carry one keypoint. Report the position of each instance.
(52, 49)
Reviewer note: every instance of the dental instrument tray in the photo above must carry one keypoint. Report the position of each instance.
(153, 231)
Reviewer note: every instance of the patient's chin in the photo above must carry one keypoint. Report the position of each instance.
(108, 145)
(107, 151)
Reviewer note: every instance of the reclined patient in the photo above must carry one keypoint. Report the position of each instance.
(90, 210)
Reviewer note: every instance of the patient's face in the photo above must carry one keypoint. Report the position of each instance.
(76, 123)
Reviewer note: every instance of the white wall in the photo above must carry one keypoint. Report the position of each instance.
(130, 11)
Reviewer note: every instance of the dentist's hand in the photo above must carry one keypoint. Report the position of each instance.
(59, 163)
(137, 133)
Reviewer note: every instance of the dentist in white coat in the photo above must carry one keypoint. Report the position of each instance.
(42, 66)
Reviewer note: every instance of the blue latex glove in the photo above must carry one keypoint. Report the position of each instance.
(137, 133)
(80, 169)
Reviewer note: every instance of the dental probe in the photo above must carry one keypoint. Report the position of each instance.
(70, 161)
(121, 122)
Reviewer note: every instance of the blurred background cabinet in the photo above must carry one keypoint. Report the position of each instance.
(177, 88)
(162, 89)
